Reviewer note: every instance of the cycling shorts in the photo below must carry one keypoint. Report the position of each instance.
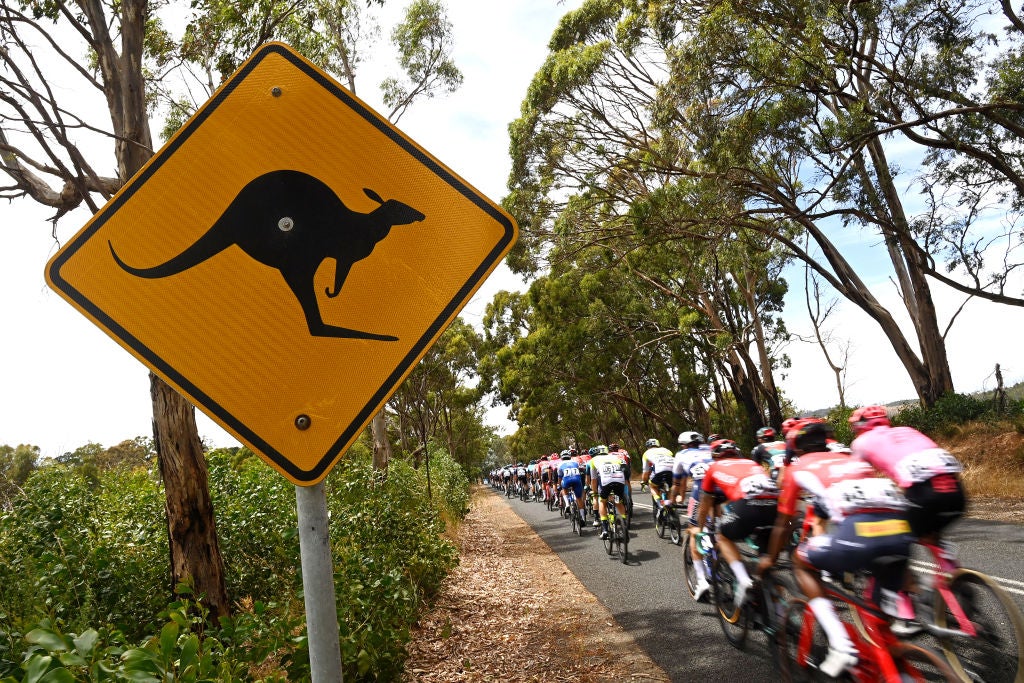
(545, 476)
(935, 503)
(574, 483)
(742, 518)
(858, 540)
(663, 480)
(616, 487)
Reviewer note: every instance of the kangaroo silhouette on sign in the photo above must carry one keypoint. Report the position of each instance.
(291, 221)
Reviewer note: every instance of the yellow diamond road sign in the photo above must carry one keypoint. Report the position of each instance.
(284, 261)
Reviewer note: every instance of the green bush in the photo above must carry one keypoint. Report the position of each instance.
(839, 418)
(84, 552)
(953, 410)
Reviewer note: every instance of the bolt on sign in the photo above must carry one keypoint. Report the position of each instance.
(284, 261)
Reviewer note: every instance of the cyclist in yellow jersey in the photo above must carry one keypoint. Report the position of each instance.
(608, 472)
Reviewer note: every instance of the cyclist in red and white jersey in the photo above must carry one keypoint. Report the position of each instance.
(745, 497)
(867, 514)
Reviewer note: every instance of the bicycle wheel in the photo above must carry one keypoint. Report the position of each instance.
(995, 654)
(801, 643)
(609, 540)
(919, 664)
(660, 522)
(675, 528)
(689, 569)
(622, 538)
(734, 619)
(574, 517)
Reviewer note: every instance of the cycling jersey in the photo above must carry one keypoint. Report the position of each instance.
(840, 484)
(657, 460)
(904, 454)
(692, 463)
(622, 454)
(569, 470)
(738, 479)
(608, 468)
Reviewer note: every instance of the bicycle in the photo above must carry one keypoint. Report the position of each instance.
(666, 519)
(763, 610)
(978, 626)
(802, 645)
(617, 540)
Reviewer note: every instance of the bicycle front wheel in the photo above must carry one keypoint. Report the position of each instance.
(731, 617)
(801, 643)
(995, 654)
(919, 664)
(689, 570)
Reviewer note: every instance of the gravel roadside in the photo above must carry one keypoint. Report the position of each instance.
(502, 615)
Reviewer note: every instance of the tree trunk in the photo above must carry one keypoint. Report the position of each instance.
(381, 444)
(191, 529)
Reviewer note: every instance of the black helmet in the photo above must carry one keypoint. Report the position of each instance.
(652, 443)
(811, 437)
(722, 448)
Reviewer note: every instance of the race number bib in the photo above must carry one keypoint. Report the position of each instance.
(852, 495)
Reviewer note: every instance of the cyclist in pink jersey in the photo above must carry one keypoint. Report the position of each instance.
(929, 475)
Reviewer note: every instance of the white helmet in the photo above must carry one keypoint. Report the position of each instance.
(686, 438)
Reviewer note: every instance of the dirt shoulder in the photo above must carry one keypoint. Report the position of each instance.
(502, 614)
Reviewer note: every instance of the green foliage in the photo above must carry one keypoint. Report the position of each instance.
(85, 552)
(953, 410)
(839, 418)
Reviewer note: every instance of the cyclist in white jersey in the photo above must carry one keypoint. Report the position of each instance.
(656, 463)
(691, 462)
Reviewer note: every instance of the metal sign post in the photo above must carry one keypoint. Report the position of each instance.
(318, 584)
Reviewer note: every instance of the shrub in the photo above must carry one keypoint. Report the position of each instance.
(952, 411)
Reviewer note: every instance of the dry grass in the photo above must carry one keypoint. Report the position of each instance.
(993, 459)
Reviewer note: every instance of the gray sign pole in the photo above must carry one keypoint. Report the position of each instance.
(318, 584)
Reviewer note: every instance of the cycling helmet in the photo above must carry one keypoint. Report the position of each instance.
(602, 450)
(520, 464)
(614, 447)
(566, 456)
(867, 418)
(788, 424)
(810, 435)
(573, 452)
(765, 434)
(553, 456)
(721, 448)
(687, 438)
(593, 450)
(714, 437)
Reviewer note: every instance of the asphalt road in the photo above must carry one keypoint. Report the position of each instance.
(648, 598)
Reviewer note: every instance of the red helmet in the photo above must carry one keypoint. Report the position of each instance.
(867, 418)
(788, 424)
(765, 434)
(553, 456)
(724, 448)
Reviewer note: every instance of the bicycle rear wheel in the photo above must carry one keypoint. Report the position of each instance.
(622, 539)
(995, 655)
(609, 541)
(660, 521)
(733, 619)
(801, 643)
(917, 664)
(574, 517)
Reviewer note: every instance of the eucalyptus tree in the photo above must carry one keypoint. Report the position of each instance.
(16, 464)
(790, 112)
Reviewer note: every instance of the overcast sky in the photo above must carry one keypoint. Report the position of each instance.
(64, 383)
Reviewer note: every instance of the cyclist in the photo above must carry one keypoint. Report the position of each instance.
(623, 455)
(656, 463)
(746, 497)
(608, 476)
(929, 475)
(691, 461)
(868, 517)
(520, 476)
(570, 477)
(769, 452)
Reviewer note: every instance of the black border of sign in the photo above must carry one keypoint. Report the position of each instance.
(205, 402)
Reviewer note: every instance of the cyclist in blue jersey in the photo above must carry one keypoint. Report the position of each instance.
(571, 477)
(691, 462)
